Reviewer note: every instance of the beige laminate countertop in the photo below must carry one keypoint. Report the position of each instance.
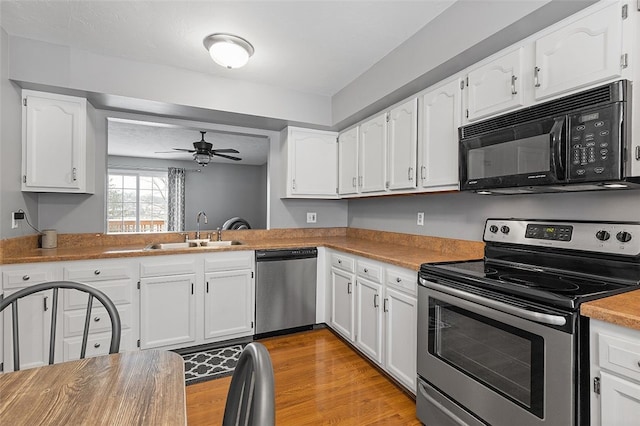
(621, 309)
(405, 250)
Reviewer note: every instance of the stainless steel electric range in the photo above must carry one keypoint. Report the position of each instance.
(501, 341)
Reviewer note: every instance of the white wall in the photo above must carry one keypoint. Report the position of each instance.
(462, 215)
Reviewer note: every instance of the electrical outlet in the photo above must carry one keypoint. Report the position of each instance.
(311, 217)
(15, 217)
(421, 218)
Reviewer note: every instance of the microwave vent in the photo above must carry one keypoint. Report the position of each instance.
(600, 95)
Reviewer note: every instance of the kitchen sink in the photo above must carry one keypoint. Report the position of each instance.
(192, 245)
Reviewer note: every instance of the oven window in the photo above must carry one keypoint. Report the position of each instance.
(506, 359)
(522, 156)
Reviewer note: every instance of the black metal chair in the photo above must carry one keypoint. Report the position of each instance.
(251, 399)
(55, 286)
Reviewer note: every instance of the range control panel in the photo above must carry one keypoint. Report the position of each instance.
(621, 238)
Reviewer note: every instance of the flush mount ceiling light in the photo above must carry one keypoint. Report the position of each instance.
(228, 50)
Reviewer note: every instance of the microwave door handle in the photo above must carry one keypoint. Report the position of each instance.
(557, 145)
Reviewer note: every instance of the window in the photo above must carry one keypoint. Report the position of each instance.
(137, 201)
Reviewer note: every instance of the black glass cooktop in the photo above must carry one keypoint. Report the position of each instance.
(556, 288)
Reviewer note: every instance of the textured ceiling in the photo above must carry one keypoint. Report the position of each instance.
(145, 139)
(311, 46)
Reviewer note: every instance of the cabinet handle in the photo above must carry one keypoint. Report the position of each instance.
(513, 85)
(423, 172)
(96, 345)
(536, 76)
(366, 271)
(26, 278)
(360, 181)
(191, 288)
(293, 184)
(96, 272)
(46, 308)
(398, 280)
(348, 288)
(353, 181)
(375, 301)
(207, 286)
(96, 319)
(340, 261)
(75, 174)
(385, 307)
(410, 172)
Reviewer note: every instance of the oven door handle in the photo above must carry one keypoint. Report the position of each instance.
(558, 146)
(500, 306)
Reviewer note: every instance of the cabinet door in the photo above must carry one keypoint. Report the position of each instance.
(369, 318)
(372, 158)
(440, 119)
(228, 305)
(401, 337)
(348, 162)
(342, 302)
(620, 401)
(34, 329)
(54, 143)
(496, 86)
(167, 310)
(313, 161)
(583, 52)
(403, 145)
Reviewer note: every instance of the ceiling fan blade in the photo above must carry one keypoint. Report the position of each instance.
(227, 156)
(226, 150)
(165, 152)
(184, 149)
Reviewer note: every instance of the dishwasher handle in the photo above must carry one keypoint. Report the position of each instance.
(289, 254)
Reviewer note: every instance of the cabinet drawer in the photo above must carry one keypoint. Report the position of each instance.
(74, 321)
(157, 268)
(97, 345)
(370, 271)
(342, 262)
(402, 279)
(619, 355)
(26, 277)
(120, 293)
(228, 261)
(97, 273)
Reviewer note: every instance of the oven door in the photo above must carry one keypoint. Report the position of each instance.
(528, 154)
(498, 363)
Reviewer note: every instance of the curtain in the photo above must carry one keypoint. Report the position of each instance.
(176, 200)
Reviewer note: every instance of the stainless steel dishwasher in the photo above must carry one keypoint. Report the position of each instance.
(285, 289)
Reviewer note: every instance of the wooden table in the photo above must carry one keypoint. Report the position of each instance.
(131, 388)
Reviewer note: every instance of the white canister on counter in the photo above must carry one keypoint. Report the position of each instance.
(49, 239)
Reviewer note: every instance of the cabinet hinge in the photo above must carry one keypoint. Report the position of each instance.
(462, 85)
(138, 285)
(596, 385)
(251, 324)
(467, 81)
(387, 117)
(386, 184)
(467, 113)
(251, 274)
(337, 140)
(138, 343)
(625, 11)
(24, 178)
(637, 153)
(24, 102)
(624, 60)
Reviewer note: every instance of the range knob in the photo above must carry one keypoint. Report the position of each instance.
(505, 229)
(623, 236)
(493, 229)
(602, 235)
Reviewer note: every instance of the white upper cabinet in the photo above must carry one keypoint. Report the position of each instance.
(372, 160)
(402, 145)
(312, 169)
(348, 162)
(57, 156)
(440, 114)
(580, 53)
(496, 86)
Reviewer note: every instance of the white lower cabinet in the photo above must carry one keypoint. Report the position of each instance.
(615, 371)
(167, 311)
(228, 305)
(34, 316)
(381, 319)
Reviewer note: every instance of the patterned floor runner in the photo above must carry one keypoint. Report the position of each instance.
(211, 364)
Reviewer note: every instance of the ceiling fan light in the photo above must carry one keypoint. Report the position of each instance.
(228, 50)
(202, 159)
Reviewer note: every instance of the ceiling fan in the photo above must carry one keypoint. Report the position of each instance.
(203, 151)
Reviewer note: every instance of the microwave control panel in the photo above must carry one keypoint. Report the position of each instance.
(594, 146)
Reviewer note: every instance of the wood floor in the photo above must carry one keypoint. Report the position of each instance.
(318, 380)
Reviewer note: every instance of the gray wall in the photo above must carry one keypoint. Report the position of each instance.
(462, 215)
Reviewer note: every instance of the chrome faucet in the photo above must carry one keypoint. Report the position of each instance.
(219, 232)
(200, 213)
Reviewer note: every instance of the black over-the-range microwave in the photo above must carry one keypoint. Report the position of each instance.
(576, 143)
